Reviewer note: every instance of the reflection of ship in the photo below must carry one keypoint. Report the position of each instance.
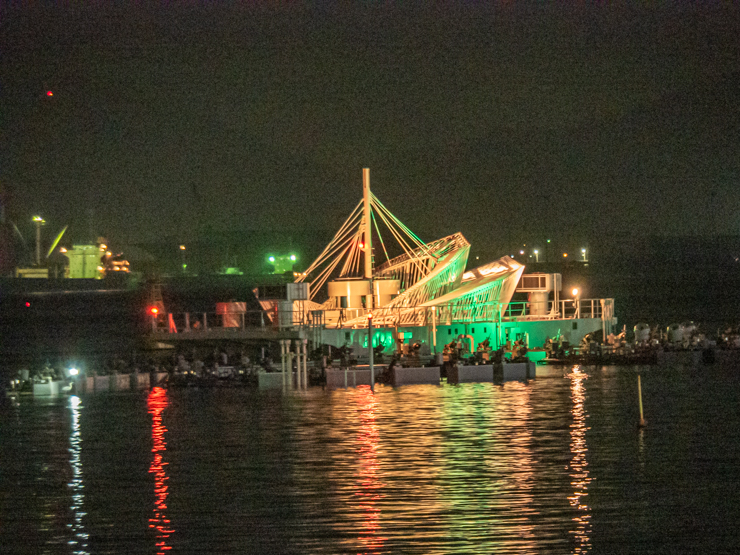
(425, 297)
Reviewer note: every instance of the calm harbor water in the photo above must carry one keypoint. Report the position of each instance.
(555, 465)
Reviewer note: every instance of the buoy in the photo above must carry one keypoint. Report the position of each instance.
(639, 396)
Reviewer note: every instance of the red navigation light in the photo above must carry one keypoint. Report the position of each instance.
(49, 93)
(153, 310)
(28, 304)
(362, 244)
(370, 316)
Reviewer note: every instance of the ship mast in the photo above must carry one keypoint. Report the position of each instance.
(370, 302)
(367, 232)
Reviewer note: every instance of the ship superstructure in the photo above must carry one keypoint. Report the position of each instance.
(426, 295)
(421, 296)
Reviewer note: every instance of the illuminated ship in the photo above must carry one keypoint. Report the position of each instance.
(425, 295)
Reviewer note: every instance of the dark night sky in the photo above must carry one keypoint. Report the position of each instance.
(497, 121)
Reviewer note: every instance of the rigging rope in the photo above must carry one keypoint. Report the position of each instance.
(375, 221)
(339, 234)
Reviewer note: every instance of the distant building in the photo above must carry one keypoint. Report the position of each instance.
(84, 261)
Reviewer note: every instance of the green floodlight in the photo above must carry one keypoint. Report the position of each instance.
(282, 263)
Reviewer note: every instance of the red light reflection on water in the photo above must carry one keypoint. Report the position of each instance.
(579, 465)
(368, 483)
(156, 403)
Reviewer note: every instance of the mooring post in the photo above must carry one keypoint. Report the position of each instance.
(370, 351)
(434, 330)
(297, 350)
(639, 396)
(297, 355)
(282, 361)
(305, 363)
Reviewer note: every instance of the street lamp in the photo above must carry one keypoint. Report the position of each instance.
(577, 301)
(184, 264)
(583, 255)
(39, 221)
(536, 255)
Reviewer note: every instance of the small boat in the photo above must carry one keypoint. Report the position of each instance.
(51, 387)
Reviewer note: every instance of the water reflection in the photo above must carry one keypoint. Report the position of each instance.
(641, 448)
(578, 466)
(157, 402)
(488, 474)
(78, 542)
(521, 463)
(368, 483)
(418, 470)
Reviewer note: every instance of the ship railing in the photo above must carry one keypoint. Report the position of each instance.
(456, 313)
(564, 309)
(195, 322)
